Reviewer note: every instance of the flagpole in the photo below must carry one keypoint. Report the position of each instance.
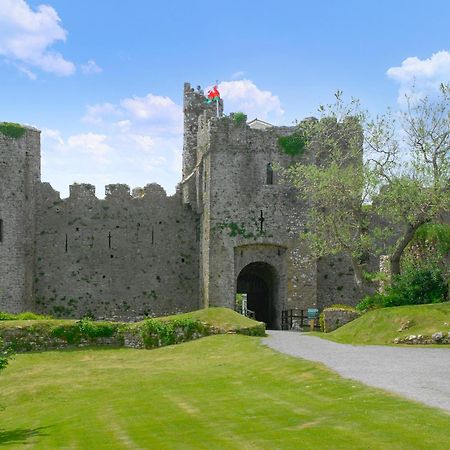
(218, 99)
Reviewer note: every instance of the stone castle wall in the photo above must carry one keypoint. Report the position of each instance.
(147, 254)
(19, 177)
(123, 257)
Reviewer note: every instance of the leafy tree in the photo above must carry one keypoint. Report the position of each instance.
(374, 181)
(418, 189)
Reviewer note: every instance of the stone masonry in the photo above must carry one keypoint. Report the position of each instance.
(143, 253)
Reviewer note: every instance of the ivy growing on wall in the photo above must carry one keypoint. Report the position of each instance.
(12, 130)
(235, 229)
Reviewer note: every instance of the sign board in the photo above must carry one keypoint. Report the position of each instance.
(313, 313)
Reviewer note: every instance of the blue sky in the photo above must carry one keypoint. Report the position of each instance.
(103, 79)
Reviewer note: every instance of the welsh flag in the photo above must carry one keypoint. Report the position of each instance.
(213, 95)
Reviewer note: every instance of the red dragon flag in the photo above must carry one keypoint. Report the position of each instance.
(213, 95)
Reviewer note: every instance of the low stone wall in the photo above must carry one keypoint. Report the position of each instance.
(436, 338)
(152, 333)
(334, 318)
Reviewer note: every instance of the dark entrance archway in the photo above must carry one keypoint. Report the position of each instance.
(258, 280)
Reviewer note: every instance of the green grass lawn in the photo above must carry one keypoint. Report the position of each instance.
(381, 326)
(220, 392)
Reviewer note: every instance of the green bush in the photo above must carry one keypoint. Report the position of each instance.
(412, 287)
(157, 333)
(239, 118)
(293, 144)
(73, 333)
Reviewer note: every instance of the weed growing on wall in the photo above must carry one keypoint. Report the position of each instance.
(239, 118)
(12, 130)
(294, 144)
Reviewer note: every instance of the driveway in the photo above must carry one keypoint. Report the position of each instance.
(421, 374)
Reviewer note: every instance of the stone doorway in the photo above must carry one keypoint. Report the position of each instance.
(258, 281)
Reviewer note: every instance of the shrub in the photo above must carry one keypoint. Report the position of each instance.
(157, 333)
(239, 118)
(417, 286)
(73, 333)
(412, 287)
(293, 144)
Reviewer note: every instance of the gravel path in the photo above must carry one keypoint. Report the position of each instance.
(421, 374)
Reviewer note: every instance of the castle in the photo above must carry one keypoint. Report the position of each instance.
(230, 228)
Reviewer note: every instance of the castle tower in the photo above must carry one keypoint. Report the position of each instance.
(19, 176)
(194, 105)
(249, 222)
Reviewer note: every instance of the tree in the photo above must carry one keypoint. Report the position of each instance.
(374, 181)
(418, 189)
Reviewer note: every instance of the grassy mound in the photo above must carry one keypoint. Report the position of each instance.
(223, 318)
(221, 392)
(382, 326)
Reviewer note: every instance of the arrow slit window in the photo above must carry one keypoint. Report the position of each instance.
(269, 173)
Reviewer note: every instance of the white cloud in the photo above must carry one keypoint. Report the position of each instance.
(151, 114)
(55, 135)
(245, 96)
(91, 68)
(135, 141)
(155, 109)
(26, 37)
(92, 143)
(100, 113)
(421, 76)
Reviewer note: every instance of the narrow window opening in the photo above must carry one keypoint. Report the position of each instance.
(153, 236)
(1, 230)
(269, 174)
(66, 243)
(109, 240)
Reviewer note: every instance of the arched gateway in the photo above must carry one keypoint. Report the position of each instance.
(259, 281)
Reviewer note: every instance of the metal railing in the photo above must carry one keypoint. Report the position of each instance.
(297, 319)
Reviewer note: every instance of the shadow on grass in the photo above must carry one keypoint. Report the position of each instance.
(20, 435)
